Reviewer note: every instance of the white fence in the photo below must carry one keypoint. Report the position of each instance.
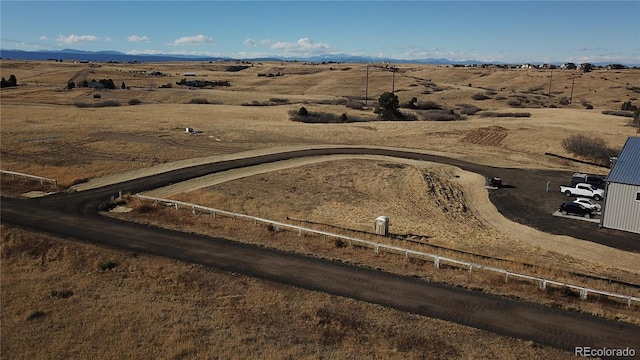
(437, 259)
(31, 177)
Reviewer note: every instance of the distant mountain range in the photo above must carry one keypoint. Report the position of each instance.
(116, 56)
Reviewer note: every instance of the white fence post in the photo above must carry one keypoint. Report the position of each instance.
(436, 258)
(583, 294)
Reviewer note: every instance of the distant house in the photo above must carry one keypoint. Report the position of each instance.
(615, 67)
(586, 67)
(568, 66)
(95, 85)
(621, 208)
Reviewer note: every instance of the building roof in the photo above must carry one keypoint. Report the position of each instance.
(627, 169)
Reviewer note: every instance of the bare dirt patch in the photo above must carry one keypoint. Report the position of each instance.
(489, 136)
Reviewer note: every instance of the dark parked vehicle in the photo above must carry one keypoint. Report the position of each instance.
(594, 180)
(570, 207)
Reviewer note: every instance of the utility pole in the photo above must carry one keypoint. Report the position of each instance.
(393, 81)
(571, 98)
(366, 88)
(550, 77)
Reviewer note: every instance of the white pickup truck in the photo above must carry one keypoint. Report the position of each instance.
(583, 190)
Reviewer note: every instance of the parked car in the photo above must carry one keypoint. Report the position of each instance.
(582, 190)
(570, 207)
(588, 203)
(594, 180)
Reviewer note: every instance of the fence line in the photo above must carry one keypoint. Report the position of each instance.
(33, 177)
(437, 259)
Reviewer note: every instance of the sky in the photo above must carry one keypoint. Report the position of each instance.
(498, 31)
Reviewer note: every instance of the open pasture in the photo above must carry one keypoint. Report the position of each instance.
(44, 132)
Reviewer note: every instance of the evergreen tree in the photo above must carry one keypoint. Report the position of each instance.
(387, 107)
(12, 81)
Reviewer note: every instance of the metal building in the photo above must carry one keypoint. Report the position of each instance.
(621, 209)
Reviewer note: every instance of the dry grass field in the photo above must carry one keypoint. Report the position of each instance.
(150, 307)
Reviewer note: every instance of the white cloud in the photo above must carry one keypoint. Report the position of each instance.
(256, 43)
(303, 46)
(138, 39)
(193, 40)
(108, 39)
(44, 38)
(77, 39)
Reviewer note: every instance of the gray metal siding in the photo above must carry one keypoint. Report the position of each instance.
(621, 210)
(627, 169)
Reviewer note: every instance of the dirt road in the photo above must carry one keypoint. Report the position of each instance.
(75, 215)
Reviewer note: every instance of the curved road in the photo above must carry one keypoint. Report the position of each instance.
(75, 215)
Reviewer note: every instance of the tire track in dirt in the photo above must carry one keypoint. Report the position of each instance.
(74, 215)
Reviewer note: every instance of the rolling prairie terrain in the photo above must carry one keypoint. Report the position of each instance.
(59, 292)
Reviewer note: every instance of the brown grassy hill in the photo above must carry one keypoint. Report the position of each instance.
(150, 307)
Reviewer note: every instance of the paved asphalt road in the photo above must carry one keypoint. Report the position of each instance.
(75, 215)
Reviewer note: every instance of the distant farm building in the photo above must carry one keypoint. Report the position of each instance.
(621, 208)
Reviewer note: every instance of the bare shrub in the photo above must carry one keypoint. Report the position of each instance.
(468, 109)
(279, 100)
(331, 102)
(36, 314)
(514, 103)
(440, 115)
(315, 117)
(256, 103)
(592, 148)
(508, 114)
(536, 88)
(564, 101)
(427, 105)
(135, 102)
(107, 265)
(618, 113)
(357, 105)
(635, 89)
(198, 101)
(587, 105)
(480, 96)
(108, 103)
